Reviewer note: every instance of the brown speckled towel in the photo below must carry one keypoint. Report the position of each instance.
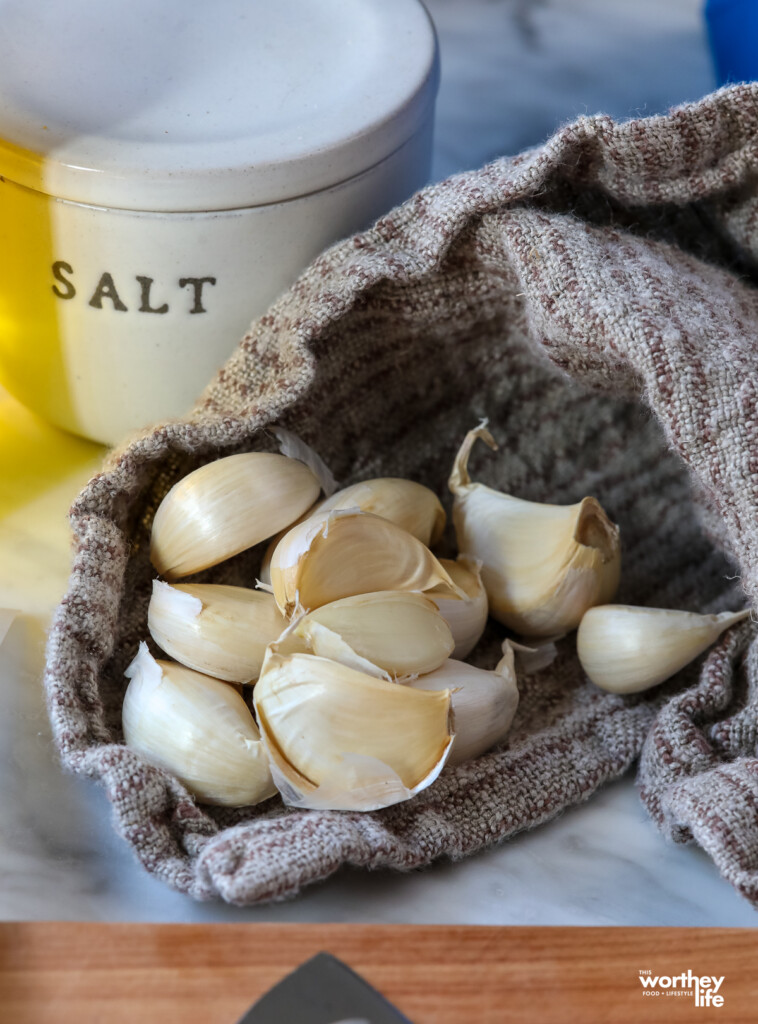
(596, 299)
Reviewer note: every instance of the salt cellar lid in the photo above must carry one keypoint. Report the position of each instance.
(184, 105)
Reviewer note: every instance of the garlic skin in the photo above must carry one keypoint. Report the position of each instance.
(543, 565)
(400, 632)
(467, 618)
(483, 703)
(227, 506)
(264, 572)
(198, 729)
(325, 643)
(628, 649)
(336, 554)
(221, 631)
(295, 448)
(538, 655)
(343, 740)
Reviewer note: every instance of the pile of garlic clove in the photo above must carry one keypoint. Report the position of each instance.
(353, 642)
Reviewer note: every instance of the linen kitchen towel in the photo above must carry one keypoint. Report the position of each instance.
(596, 299)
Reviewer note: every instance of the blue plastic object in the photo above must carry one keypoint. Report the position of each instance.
(733, 33)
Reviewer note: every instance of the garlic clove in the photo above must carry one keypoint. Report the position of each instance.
(406, 503)
(336, 554)
(218, 630)
(226, 506)
(466, 618)
(627, 649)
(483, 703)
(399, 632)
(359, 783)
(543, 565)
(344, 740)
(198, 729)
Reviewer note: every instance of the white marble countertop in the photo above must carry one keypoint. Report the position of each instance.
(512, 71)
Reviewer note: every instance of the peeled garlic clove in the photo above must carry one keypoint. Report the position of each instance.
(626, 649)
(219, 630)
(404, 502)
(197, 728)
(483, 703)
(543, 566)
(401, 633)
(466, 618)
(227, 506)
(336, 554)
(344, 740)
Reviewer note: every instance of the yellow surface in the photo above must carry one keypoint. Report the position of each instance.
(31, 359)
(42, 469)
(35, 456)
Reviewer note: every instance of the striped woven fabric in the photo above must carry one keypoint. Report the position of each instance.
(594, 298)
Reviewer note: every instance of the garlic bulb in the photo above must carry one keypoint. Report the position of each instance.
(336, 554)
(483, 703)
(197, 728)
(543, 566)
(344, 740)
(400, 632)
(626, 649)
(466, 618)
(227, 506)
(219, 630)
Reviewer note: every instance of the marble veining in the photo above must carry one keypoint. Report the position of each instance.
(512, 71)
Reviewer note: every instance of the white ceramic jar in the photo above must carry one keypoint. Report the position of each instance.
(167, 169)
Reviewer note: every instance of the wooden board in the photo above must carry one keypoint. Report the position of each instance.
(210, 974)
